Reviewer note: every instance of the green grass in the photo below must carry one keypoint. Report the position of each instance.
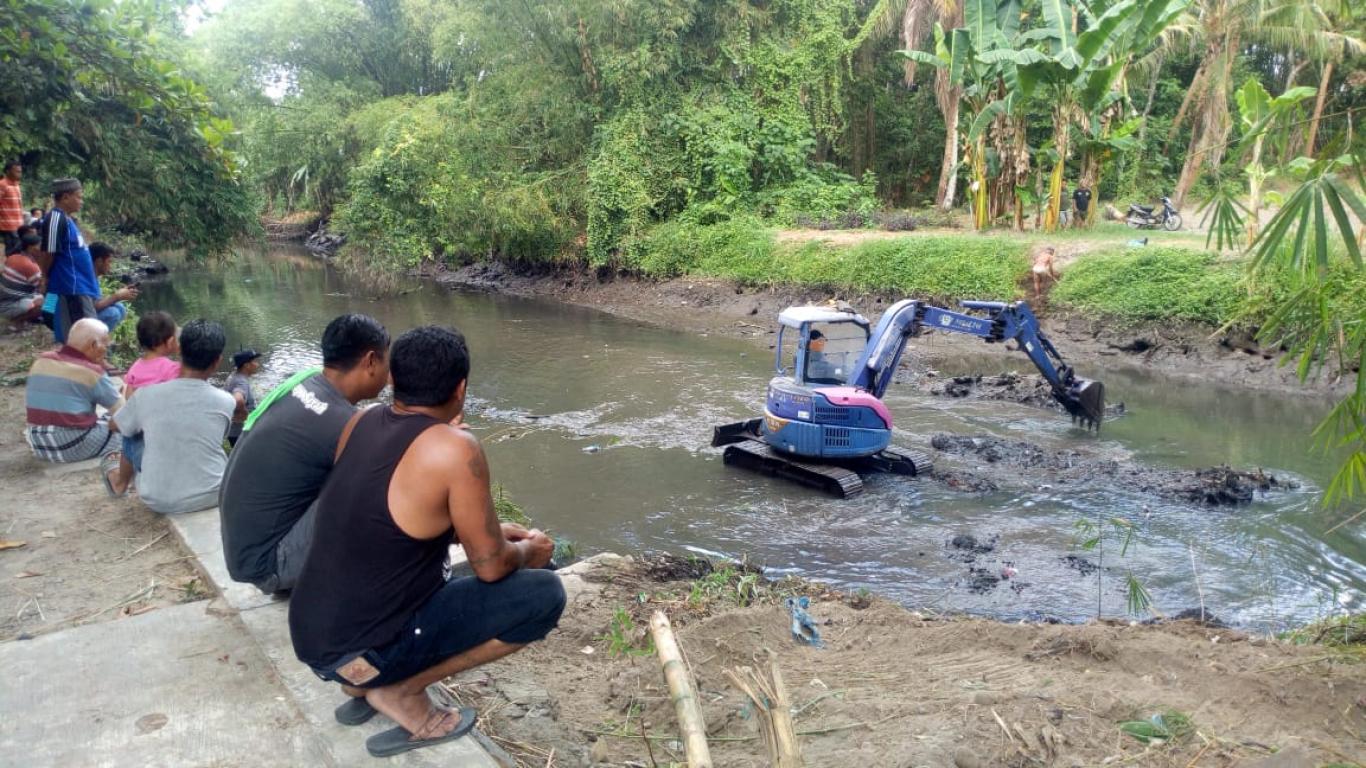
(1348, 632)
(942, 267)
(1153, 283)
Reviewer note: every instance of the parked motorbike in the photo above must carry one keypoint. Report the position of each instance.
(1147, 217)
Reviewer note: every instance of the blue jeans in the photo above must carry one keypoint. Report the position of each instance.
(113, 314)
(520, 608)
(132, 449)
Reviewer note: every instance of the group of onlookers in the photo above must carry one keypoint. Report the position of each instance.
(51, 274)
(349, 511)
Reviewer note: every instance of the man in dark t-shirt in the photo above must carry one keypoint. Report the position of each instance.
(283, 458)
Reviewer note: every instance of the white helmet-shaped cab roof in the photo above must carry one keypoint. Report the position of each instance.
(793, 317)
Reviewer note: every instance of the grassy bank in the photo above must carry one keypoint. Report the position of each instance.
(1163, 284)
(944, 267)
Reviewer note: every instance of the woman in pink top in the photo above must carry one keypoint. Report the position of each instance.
(157, 337)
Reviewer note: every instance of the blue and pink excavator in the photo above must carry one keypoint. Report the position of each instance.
(824, 422)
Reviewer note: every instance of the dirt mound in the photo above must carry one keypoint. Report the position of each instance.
(1007, 387)
(894, 688)
(1215, 486)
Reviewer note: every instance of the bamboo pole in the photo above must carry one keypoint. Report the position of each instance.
(690, 723)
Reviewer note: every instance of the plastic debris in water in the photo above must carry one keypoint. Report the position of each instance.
(803, 627)
(592, 449)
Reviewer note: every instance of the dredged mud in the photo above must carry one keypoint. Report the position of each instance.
(1213, 486)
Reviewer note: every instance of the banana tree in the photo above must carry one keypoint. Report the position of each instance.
(955, 53)
(1263, 118)
(1079, 71)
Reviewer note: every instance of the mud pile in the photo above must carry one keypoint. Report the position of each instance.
(1214, 486)
(1007, 387)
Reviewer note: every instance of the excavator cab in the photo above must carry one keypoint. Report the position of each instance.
(819, 346)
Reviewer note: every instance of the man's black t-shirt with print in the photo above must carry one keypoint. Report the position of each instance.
(276, 471)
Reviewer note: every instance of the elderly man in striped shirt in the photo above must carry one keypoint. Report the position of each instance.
(64, 389)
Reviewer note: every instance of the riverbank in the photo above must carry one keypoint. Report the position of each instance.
(1182, 349)
(890, 687)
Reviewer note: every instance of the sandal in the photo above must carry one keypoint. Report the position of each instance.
(398, 740)
(355, 711)
(108, 464)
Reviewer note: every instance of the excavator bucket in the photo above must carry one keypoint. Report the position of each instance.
(1085, 400)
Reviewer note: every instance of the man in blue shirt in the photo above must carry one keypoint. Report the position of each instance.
(73, 285)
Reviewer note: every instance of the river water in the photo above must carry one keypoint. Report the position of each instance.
(599, 428)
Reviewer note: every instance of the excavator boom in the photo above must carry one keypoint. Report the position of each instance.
(1083, 399)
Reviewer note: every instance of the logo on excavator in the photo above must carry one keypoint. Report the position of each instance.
(773, 424)
(946, 320)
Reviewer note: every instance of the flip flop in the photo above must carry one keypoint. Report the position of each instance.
(398, 740)
(108, 464)
(355, 711)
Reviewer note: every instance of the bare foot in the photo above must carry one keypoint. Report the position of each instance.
(352, 691)
(413, 711)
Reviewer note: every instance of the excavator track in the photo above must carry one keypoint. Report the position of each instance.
(903, 461)
(759, 457)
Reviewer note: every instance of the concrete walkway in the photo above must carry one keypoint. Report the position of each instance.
(211, 683)
(266, 621)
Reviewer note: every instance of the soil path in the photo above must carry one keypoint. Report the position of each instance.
(897, 688)
(85, 557)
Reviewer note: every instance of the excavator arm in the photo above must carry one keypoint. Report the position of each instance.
(1084, 399)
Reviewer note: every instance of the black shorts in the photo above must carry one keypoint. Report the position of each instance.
(521, 608)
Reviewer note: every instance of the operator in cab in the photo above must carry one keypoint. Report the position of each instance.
(819, 368)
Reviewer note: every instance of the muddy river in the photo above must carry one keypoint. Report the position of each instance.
(599, 427)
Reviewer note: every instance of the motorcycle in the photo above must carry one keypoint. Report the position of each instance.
(1145, 217)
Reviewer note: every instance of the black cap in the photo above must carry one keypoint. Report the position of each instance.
(244, 356)
(816, 335)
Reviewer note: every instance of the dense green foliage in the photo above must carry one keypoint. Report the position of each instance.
(91, 88)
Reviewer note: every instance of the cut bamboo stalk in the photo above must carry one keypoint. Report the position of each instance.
(774, 711)
(690, 723)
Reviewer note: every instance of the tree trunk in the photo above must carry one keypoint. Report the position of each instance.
(1318, 108)
(1255, 178)
(1089, 179)
(1061, 120)
(948, 169)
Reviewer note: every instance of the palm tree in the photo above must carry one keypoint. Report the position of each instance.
(916, 19)
(1218, 29)
(1340, 43)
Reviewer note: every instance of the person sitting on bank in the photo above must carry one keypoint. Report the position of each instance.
(64, 390)
(21, 280)
(157, 337)
(183, 423)
(246, 362)
(373, 609)
(279, 464)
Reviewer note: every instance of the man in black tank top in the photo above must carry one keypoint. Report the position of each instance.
(372, 608)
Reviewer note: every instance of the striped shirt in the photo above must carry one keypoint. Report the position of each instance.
(11, 206)
(19, 279)
(63, 389)
(72, 271)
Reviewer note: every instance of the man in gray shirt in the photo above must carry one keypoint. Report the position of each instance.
(183, 422)
(280, 463)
